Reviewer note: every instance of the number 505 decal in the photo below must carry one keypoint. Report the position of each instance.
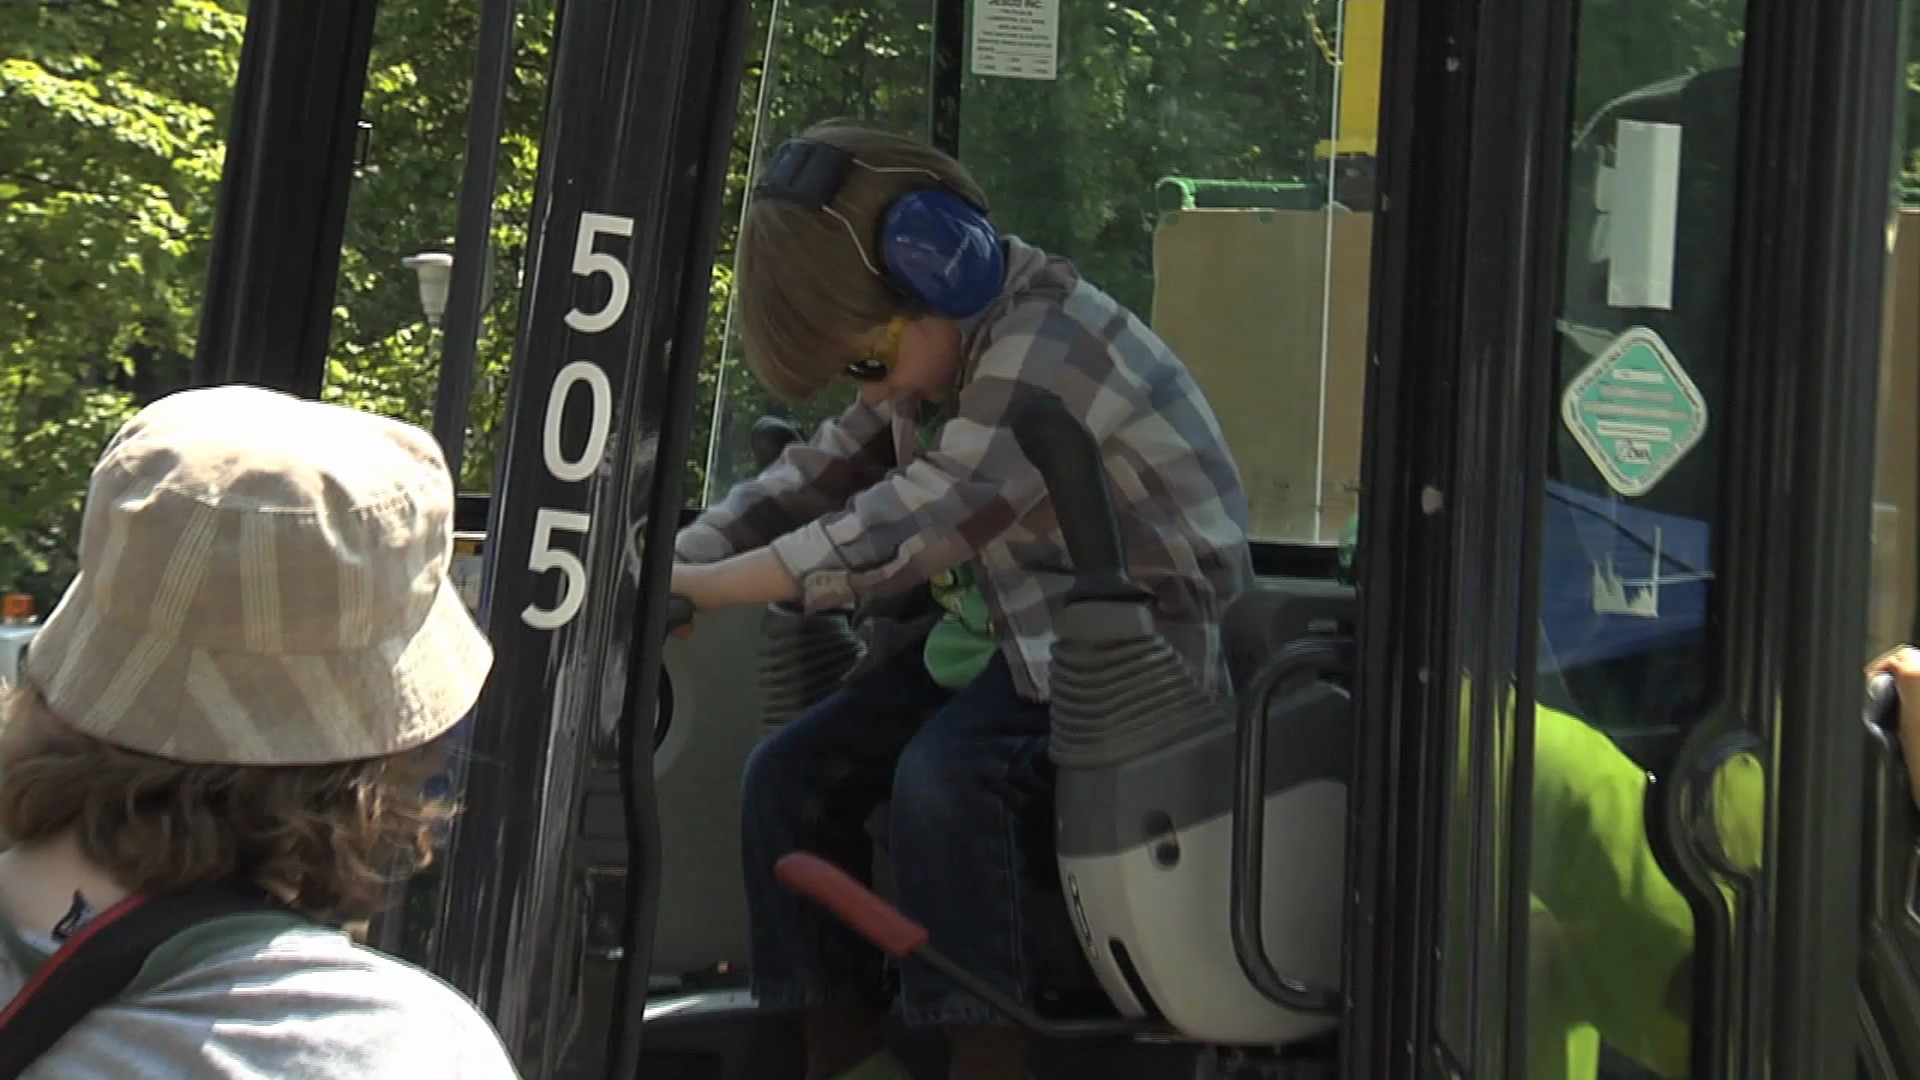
(549, 523)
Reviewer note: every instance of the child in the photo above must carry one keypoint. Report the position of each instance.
(871, 258)
(245, 687)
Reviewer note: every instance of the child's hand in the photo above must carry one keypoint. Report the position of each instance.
(1903, 664)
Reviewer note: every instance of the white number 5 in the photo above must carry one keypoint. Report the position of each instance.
(588, 262)
(544, 557)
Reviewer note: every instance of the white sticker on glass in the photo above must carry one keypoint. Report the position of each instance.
(1016, 39)
(1635, 412)
(1642, 204)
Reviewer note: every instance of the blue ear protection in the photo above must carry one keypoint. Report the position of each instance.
(936, 249)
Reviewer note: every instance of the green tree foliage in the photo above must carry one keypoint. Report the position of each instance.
(113, 120)
(1910, 175)
(1226, 89)
(383, 356)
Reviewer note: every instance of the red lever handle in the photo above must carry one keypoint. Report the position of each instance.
(852, 903)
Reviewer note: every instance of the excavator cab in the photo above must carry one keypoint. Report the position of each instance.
(1586, 312)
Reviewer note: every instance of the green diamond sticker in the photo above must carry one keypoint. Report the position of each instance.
(1635, 412)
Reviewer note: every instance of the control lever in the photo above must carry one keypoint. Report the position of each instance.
(1068, 459)
(770, 436)
(679, 612)
(1881, 715)
(1111, 699)
(803, 657)
(903, 939)
(1891, 828)
(768, 439)
(1882, 710)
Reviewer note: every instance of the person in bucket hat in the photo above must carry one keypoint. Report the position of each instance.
(248, 681)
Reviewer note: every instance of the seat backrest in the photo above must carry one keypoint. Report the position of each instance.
(1280, 610)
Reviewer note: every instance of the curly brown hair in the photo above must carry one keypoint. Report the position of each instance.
(327, 838)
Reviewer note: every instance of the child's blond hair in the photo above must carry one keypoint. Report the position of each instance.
(807, 297)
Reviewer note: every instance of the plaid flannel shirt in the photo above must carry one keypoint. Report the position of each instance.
(860, 512)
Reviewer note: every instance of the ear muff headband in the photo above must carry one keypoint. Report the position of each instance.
(935, 248)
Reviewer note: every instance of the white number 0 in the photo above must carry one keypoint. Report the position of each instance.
(544, 555)
(600, 392)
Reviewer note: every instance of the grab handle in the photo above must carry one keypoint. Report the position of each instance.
(1297, 662)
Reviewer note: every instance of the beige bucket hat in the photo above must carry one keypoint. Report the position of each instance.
(263, 581)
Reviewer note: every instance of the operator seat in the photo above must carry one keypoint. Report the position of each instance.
(1139, 912)
(1145, 836)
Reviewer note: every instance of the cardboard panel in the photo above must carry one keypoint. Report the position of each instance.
(1241, 295)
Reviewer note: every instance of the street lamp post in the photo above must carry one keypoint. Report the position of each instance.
(435, 271)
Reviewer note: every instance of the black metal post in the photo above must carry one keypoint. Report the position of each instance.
(625, 219)
(460, 332)
(1402, 558)
(944, 74)
(1471, 174)
(282, 208)
(1820, 135)
(473, 238)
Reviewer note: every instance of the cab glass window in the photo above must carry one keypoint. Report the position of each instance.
(864, 61)
(1894, 604)
(1209, 165)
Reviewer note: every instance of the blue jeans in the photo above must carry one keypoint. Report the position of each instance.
(970, 785)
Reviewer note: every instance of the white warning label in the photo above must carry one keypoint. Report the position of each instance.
(1016, 39)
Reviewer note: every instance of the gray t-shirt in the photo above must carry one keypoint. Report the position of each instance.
(291, 1003)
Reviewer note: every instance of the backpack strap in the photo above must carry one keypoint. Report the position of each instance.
(100, 960)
